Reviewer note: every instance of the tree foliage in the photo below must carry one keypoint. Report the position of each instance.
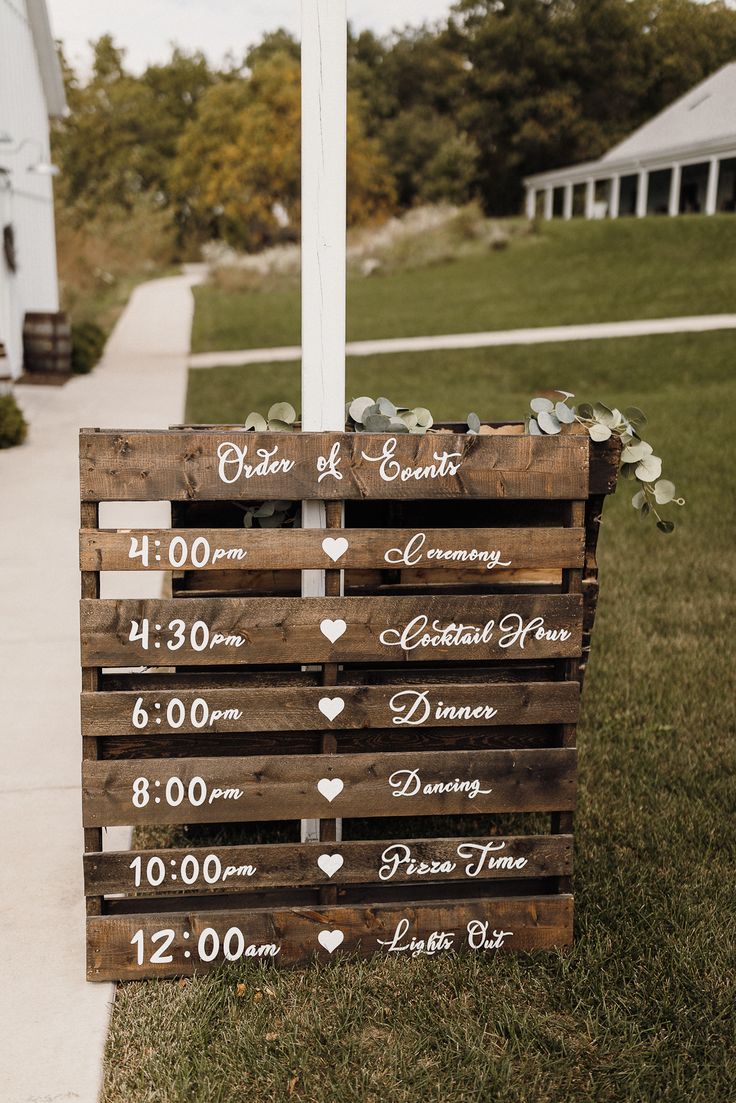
(458, 110)
(242, 180)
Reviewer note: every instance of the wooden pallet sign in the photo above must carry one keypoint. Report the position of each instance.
(428, 702)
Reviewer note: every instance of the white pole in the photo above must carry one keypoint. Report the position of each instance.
(531, 203)
(324, 113)
(589, 198)
(614, 202)
(675, 181)
(642, 193)
(711, 196)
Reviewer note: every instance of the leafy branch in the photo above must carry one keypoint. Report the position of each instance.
(637, 456)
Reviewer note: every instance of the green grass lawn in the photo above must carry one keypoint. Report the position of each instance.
(641, 1009)
(565, 273)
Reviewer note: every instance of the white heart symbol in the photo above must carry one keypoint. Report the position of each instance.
(330, 787)
(330, 863)
(335, 547)
(333, 629)
(330, 940)
(331, 706)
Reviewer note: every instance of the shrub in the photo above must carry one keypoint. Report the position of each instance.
(13, 426)
(88, 343)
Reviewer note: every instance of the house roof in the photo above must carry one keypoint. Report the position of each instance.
(704, 115)
(700, 124)
(48, 58)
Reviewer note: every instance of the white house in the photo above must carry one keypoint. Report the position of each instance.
(681, 161)
(31, 91)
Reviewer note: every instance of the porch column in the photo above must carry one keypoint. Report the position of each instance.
(531, 203)
(675, 180)
(642, 193)
(548, 202)
(567, 205)
(711, 195)
(614, 196)
(589, 197)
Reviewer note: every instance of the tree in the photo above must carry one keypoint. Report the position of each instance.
(237, 172)
(551, 82)
(121, 134)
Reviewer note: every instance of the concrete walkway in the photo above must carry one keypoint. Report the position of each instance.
(53, 1024)
(537, 335)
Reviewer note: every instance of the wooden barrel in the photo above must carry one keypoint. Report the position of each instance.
(47, 342)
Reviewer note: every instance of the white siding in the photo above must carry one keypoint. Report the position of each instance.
(25, 198)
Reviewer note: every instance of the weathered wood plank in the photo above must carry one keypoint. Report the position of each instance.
(272, 787)
(474, 550)
(211, 631)
(214, 464)
(212, 711)
(228, 869)
(182, 943)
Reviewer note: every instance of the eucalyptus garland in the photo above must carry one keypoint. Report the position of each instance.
(638, 461)
(548, 418)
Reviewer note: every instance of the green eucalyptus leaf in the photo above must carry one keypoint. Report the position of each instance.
(585, 410)
(666, 526)
(409, 419)
(649, 470)
(627, 470)
(256, 421)
(639, 499)
(376, 423)
(424, 417)
(548, 423)
(248, 519)
(358, 406)
(566, 394)
(646, 509)
(265, 510)
(282, 411)
(273, 522)
(636, 416)
(633, 453)
(386, 406)
(398, 425)
(280, 426)
(473, 423)
(534, 429)
(599, 432)
(542, 405)
(603, 414)
(664, 492)
(564, 413)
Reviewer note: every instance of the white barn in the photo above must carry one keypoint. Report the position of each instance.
(682, 161)
(31, 91)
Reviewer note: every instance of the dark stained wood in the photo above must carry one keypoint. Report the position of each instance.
(90, 589)
(288, 630)
(260, 737)
(311, 786)
(412, 861)
(347, 742)
(292, 935)
(182, 465)
(488, 551)
(269, 709)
